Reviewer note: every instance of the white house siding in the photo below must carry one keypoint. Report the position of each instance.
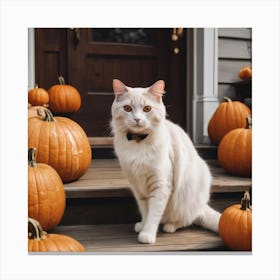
(234, 52)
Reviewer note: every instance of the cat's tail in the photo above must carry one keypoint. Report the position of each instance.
(209, 218)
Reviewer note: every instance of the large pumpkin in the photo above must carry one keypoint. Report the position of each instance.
(235, 225)
(61, 143)
(40, 241)
(38, 96)
(46, 196)
(64, 98)
(235, 151)
(229, 115)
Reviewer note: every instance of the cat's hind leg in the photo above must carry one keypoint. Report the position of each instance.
(172, 227)
(209, 218)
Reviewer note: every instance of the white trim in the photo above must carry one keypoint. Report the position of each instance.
(31, 58)
(205, 98)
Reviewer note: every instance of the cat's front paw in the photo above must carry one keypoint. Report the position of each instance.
(138, 226)
(146, 237)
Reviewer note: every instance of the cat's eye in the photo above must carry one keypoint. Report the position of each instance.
(147, 109)
(127, 108)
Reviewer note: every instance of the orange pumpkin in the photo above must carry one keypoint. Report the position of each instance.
(38, 96)
(40, 241)
(64, 98)
(245, 73)
(46, 196)
(229, 115)
(235, 225)
(235, 151)
(61, 143)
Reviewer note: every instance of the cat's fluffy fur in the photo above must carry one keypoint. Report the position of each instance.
(168, 178)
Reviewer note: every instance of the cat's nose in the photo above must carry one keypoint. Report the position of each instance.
(137, 120)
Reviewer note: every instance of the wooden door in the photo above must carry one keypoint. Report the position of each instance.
(90, 58)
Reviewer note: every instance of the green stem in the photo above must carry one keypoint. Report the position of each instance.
(31, 157)
(48, 116)
(248, 121)
(227, 99)
(61, 80)
(35, 230)
(245, 201)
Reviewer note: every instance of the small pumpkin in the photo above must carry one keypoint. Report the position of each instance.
(36, 111)
(229, 115)
(41, 241)
(235, 150)
(245, 73)
(61, 143)
(64, 98)
(38, 96)
(46, 196)
(235, 225)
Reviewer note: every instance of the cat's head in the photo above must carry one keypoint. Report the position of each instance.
(138, 110)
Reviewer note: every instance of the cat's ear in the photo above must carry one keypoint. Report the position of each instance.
(119, 87)
(157, 89)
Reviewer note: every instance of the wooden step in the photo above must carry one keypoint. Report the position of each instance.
(103, 147)
(105, 179)
(121, 238)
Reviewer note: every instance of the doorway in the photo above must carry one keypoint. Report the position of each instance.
(89, 58)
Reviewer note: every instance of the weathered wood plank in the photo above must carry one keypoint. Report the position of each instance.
(105, 179)
(240, 33)
(101, 141)
(228, 70)
(122, 238)
(234, 49)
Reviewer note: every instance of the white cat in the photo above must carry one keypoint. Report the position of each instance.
(168, 178)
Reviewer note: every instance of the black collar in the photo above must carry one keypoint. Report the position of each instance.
(135, 136)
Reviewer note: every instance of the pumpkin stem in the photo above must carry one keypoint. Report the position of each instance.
(61, 80)
(35, 230)
(227, 99)
(248, 122)
(245, 201)
(36, 86)
(31, 157)
(48, 116)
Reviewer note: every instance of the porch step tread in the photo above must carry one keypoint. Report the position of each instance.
(121, 238)
(104, 178)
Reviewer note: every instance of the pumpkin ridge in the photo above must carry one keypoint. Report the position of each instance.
(249, 144)
(55, 242)
(244, 150)
(74, 148)
(242, 226)
(37, 193)
(69, 158)
(231, 151)
(238, 147)
(224, 120)
(237, 228)
(56, 146)
(81, 163)
(32, 178)
(48, 211)
(43, 201)
(228, 117)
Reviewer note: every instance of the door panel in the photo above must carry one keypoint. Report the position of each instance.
(94, 57)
